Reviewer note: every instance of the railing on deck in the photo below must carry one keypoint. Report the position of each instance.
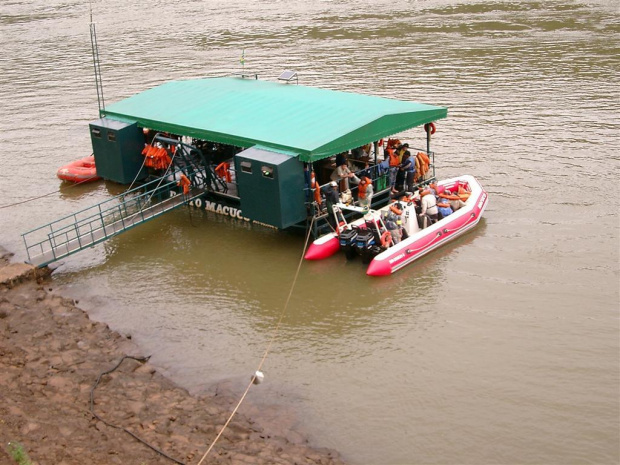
(95, 224)
(379, 174)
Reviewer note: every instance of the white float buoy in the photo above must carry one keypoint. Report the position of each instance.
(258, 377)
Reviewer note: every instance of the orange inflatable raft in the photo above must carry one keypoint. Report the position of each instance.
(82, 170)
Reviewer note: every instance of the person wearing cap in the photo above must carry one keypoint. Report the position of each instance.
(331, 199)
(393, 222)
(401, 151)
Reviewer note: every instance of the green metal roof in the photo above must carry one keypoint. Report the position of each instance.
(314, 123)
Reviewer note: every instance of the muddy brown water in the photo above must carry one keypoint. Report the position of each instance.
(502, 347)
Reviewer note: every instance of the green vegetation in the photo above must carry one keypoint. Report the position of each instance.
(17, 452)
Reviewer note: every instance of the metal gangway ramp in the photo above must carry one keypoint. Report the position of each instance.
(68, 235)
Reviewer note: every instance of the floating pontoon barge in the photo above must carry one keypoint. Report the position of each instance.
(249, 148)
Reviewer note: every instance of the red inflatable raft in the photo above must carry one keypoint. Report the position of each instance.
(82, 170)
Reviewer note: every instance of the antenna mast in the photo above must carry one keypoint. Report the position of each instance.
(96, 64)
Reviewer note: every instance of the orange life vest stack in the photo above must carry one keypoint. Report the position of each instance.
(156, 157)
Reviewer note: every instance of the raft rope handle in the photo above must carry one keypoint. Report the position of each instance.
(92, 408)
(439, 233)
(436, 236)
(273, 338)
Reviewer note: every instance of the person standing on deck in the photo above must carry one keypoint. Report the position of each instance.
(408, 166)
(343, 173)
(394, 164)
(365, 191)
(400, 174)
(331, 199)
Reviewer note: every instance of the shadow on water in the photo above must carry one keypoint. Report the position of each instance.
(72, 191)
(100, 188)
(257, 265)
(227, 266)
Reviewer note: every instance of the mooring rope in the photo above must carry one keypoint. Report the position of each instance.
(44, 195)
(137, 174)
(273, 338)
(69, 187)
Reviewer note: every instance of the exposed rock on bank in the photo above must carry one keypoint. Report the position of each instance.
(51, 354)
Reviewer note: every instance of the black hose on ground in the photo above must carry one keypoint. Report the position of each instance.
(92, 410)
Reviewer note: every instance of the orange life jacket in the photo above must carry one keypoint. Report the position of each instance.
(463, 193)
(223, 171)
(184, 182)
(163, 160)
(394, 159)
(156, 157)
(362, 186)
(313, 185)
(391, 143)
(424, 161)
(149, 152)
(395, 209)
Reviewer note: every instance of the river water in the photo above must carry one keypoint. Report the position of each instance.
(501, 348)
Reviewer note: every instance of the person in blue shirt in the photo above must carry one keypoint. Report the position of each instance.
(444, 208)
(408, 166)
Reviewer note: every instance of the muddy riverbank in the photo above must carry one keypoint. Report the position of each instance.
(51, 355)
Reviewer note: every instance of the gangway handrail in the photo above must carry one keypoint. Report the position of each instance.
(95, 224)
(133, 190)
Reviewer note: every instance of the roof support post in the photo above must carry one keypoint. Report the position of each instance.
(428, 141)
(376, 143)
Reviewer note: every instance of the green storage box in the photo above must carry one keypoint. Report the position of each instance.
(117, 147)
(271, 187)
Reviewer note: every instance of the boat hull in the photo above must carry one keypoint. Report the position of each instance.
(436, 235)
(324, 247)
(418, 243)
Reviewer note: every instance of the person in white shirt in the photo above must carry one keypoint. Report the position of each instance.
(428, 206)
(343, 173)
